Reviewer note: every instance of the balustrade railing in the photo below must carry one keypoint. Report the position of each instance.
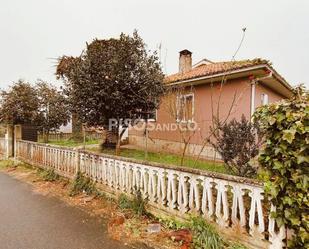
(236, 204)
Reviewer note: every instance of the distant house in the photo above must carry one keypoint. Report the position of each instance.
(243, 85)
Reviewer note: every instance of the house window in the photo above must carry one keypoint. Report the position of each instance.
(264, 99)
(185, 108)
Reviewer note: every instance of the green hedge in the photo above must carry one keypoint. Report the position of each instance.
(285, 163)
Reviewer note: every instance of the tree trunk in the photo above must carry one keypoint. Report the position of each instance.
(45, 136)
(113, 139)
(119, 136)
(77, 128)
(146, 140)
(118, 143)
(183, 153)
(110, 139)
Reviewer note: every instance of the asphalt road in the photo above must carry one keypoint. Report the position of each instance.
(33, 221)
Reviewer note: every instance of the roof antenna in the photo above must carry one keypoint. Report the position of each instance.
(241, 41)
(160, 52)
(165, 61)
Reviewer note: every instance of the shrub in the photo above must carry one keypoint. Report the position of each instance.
(238, 142)
(83, 184)
(205, 235)
(172, 223)
(137, 204)
(49, 175)
(285, 163)
(124, 202)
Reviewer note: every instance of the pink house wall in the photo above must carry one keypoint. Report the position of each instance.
(240, 88)
(262, 89)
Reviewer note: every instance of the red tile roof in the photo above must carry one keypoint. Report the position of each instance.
(213, 69)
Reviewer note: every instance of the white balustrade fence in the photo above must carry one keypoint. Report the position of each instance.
(236, 204)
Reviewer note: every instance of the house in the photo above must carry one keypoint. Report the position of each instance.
(223, 89)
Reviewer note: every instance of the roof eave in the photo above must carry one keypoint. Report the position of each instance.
(280, 78)
(218, 76)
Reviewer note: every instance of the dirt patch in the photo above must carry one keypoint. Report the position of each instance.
(121, 225)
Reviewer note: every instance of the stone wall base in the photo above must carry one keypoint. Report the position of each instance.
(160, 145)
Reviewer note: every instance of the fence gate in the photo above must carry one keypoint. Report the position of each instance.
(27, 132)
(13, 134)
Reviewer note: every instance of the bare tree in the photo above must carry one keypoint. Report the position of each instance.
(218, 120)
(178, 103)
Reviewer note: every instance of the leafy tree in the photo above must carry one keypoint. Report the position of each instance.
(285, 160)
(53, 108)
(238, 142)
(40, 105)
(20, 104)
(113, 79)
(64, 69)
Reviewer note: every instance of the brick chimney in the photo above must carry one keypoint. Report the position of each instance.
(185, 61)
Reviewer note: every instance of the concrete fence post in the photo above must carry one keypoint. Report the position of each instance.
(9, 136)
(17, 137)
(77, 161)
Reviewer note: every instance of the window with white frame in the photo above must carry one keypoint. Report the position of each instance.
(264, 99)
(185, 108)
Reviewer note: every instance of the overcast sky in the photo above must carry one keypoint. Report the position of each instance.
(35, 32)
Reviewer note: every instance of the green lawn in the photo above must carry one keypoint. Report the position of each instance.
(72, 143)
(167, 159)
(157, 157)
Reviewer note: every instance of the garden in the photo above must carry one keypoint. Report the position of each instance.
(268, 152)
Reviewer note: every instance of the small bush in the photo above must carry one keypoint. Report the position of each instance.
(83, 184)
(124, 202)
(49, 175)
(205, 235)
(172, 223)
(238, 143)
(136, 204)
